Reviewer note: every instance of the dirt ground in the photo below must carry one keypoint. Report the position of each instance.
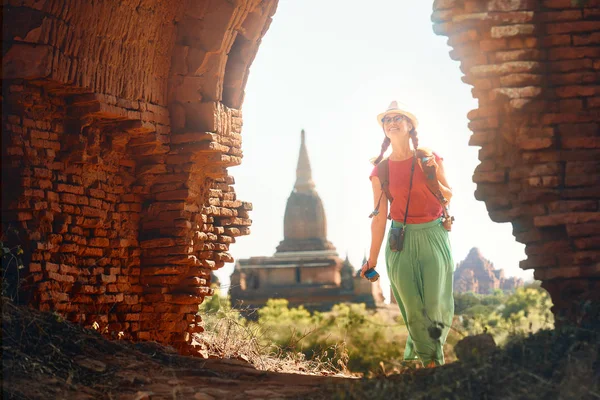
(45, 357)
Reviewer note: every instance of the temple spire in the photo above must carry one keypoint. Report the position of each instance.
(304, 182)
(347, 265)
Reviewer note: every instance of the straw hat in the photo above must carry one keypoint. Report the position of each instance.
(394, 108)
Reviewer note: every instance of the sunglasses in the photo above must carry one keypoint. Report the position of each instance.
(397, 118)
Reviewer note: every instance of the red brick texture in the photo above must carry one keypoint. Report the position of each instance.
(535, 69)
(119, 123)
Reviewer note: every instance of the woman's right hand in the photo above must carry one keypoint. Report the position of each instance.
(366, 266)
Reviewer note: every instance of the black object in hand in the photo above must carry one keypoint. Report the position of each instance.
(371, 274)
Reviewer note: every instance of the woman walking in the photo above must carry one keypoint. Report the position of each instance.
(418, 254)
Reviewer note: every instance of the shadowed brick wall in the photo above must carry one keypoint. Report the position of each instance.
(120, 119)
(535, 69)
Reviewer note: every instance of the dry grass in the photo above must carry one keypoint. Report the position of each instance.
(46, 357)
(229, 336)
(45, 348)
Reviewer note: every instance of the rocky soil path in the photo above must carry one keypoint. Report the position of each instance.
(45, 357)
(173, 378)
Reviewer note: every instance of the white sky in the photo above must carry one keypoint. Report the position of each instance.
(330, 67)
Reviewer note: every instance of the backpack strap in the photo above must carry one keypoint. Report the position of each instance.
(412, 173)
(433, 184)
(430, 177)
(383, 173)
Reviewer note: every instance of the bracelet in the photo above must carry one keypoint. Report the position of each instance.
(370, 266)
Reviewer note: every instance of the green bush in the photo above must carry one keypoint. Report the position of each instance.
(494, 299)
(505, 314)
(352, 338)
(464, 301)
(479, 310)
(347, 331)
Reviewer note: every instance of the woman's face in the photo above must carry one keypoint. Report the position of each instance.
(396, 125)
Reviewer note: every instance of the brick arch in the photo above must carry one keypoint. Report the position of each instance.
(121, 120)
(193, 213)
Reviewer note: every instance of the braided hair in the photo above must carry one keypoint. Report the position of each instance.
(414, 136)
(384, 147)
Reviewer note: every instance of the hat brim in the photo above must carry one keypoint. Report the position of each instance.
(410, 116)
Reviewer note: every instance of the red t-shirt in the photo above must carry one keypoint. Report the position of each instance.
(424, 206)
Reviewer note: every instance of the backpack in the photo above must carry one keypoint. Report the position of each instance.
(383, 173)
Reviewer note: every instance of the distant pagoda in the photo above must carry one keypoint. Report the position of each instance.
(305, 269)
(478, 275)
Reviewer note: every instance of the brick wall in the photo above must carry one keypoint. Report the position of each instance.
(120, 48)
(119, 122)
(120, 226)
(535, 69)
(73, 197)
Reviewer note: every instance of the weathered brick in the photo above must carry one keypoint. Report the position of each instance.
(516, 80)
(585, 229)
(573, 53)
(577, 91)
(515, 93)
(60, 277)
(572, 27)
(563, 15)
(535, 143)
(583, 40)
(567, 218)
(593, 102)
(567, 3)
(512, 30)
(64, 188)
(511, 5)
(98, 242)
(581, 142)
(556, 40)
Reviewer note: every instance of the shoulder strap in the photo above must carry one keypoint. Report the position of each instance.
(430, 177)
(383, 174)
(412, 173)
(432, 182)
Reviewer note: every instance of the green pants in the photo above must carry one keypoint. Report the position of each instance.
(421, 277)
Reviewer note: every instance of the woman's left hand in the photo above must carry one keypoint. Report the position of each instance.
(431, 163)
